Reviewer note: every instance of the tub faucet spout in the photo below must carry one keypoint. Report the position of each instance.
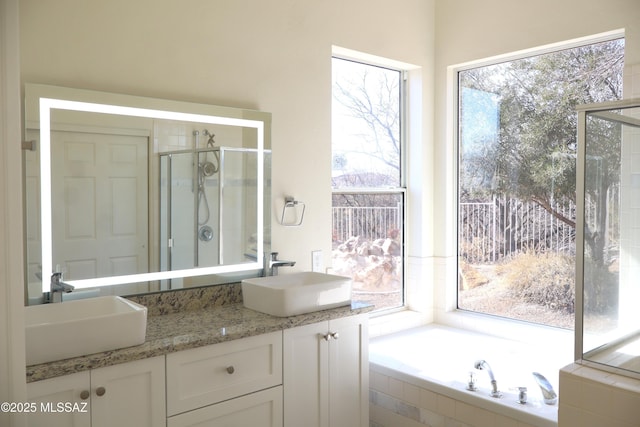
(483, 365)
(548, 394)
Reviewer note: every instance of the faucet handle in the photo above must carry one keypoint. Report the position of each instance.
(471, 384)
(522, 395)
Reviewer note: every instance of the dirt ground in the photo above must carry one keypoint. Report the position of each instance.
(493, 298)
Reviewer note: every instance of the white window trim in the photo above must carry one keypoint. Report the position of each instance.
(536, 334)
(405, 69)
(441, 275)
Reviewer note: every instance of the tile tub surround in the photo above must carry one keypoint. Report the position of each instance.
(594, 398)
(418, 378)
(397, 403)
(217, 316)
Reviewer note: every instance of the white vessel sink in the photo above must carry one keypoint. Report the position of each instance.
(76, 328)
(297, 293)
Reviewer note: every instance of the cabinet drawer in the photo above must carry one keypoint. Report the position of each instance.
(261, 409)
(206, 375)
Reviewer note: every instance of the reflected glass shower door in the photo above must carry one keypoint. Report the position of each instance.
(177, 218)
(207, 244)
(209, 207)
(238, 198)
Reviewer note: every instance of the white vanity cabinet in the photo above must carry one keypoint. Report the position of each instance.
(129, 394)
(326, 374)
(312, 376)
(259, 409)
(236, 383)
(72, 388)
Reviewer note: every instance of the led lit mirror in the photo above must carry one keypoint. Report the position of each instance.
(142, 193)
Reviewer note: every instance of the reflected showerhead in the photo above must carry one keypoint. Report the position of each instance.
(207, 169)
(210, 142)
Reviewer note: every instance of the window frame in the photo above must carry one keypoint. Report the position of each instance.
(403, 70)
(446, 297)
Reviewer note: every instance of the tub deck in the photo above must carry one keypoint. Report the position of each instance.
(440, 359)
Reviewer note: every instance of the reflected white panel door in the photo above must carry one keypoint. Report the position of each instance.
(99, 204)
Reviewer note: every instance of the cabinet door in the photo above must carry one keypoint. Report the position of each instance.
(260, 409)
(305, 376)
(47, 394)
(349, 372)
(130, 394)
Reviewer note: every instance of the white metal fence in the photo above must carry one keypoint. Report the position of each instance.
(489, 231)
(369, 223)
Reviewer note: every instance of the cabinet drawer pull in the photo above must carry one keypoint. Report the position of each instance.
(334, 335)
(230, 370)
(100, 391)
(84, 394)
(326, 337)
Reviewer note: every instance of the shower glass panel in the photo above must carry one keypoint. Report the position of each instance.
(177, 218)
(608, 332)
(208, 207)
(207, 203)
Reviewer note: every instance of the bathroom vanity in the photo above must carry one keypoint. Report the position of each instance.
(131, 393)
(208, 360)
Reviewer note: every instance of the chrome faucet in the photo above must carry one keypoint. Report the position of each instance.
(483, 365)
(548, 394)
(272, 263)
(56, 288)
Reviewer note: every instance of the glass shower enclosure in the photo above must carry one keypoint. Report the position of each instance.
(608, 237)
(207, 205)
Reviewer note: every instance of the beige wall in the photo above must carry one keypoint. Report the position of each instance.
(267, 55)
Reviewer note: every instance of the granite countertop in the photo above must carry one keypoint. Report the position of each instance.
(194, 319)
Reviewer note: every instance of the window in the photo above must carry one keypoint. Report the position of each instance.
(516, 178)
(367, 183)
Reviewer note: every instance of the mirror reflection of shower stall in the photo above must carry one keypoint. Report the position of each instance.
(208, 206)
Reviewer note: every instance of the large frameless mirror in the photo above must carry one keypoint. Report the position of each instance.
(143, 193)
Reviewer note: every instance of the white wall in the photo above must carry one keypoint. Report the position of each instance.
(12, 369)
(267, 55)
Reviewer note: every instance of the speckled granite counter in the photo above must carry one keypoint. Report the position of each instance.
(187, 319)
